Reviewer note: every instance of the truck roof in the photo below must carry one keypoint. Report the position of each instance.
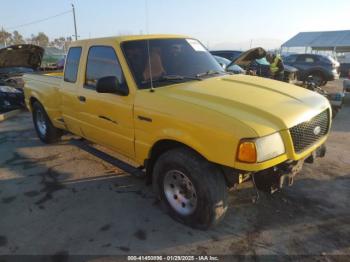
(120, 39)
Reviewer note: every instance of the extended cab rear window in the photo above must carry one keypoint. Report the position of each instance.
(72, 64)
(102, 62)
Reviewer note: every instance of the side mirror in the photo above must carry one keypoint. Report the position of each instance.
(111, 85)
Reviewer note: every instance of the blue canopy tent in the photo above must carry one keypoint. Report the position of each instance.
(335, 41)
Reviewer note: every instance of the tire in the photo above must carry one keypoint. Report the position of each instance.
(334, 112)
(43, 126)
(317, 78)
(203, 201)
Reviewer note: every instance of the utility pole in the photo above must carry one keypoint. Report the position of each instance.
(75, 23)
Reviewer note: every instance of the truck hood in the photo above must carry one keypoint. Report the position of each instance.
(21, 56)
(262, 104)
(248, 56)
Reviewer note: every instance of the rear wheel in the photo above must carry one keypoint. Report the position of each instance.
(43, 126)
(192, 190)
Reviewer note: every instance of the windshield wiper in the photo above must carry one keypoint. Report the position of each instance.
(209, 73)
(172, 78)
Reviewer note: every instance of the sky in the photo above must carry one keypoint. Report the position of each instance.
(217, 23)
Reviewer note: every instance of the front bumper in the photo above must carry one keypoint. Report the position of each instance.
(277, 177)
(334, 75)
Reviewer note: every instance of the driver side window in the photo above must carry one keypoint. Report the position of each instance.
(102, 62)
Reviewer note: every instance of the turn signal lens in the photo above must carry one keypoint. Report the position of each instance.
(247, 152)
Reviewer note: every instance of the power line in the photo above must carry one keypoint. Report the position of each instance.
(39, 21)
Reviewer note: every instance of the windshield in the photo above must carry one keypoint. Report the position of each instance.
(182, 59)
(222, 60)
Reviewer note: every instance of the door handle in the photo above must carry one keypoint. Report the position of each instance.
(143, 118)
(82, 99)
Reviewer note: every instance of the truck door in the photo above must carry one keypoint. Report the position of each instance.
(69, 91)
(106, 119)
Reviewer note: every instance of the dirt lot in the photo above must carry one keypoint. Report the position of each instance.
(72, 199)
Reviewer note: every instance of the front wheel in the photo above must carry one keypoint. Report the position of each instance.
(43, 126)
(192, 190)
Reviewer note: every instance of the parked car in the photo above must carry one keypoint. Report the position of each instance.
(254, 61)
(228, 66)
(165, 103)
(228, 54)
(346, 85)
(319, 67)
(10, 99)
(344, 69)
(15, 61)
(60, 63)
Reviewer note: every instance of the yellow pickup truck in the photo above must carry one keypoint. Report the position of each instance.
(165, 103)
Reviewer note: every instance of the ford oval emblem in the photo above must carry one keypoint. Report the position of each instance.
(317, 130)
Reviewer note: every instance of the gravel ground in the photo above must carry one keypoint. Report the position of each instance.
(71, 198)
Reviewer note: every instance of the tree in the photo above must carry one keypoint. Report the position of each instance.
(5, 37)
(31, 39)
(41, 39)
(58, 42)
(17, 38)
(61, 43)
(67, 43)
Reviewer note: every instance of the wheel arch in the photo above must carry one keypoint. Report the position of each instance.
(160, 147)
(32, 100)
(318, 71)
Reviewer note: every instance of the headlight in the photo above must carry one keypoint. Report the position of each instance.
(260, 149)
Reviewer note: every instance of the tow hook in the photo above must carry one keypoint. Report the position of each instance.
(286, 180)
(319, 152)
(273, 179)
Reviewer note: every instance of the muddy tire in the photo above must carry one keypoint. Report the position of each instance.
(192, 190)
(43, 126)
(317, 78)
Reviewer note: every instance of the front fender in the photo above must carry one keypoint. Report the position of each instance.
(214, 145)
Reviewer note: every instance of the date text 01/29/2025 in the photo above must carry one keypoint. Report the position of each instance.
(173, 258)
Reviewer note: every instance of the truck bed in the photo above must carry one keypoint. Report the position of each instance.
(45, 87)
(44, 77)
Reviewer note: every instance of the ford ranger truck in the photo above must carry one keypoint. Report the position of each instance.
(163, 102)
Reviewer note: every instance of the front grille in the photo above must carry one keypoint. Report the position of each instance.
(308, 133)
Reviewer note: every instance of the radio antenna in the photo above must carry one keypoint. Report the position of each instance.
(148, 48)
